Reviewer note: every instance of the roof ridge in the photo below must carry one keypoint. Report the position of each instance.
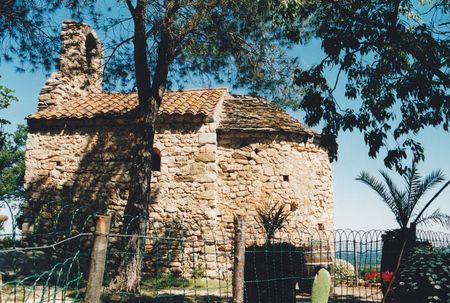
(273, 117)
(170, 91)
(199, 89)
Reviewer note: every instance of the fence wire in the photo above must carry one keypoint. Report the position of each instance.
(51, 263)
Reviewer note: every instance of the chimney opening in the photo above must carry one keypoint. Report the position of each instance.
(91, 48)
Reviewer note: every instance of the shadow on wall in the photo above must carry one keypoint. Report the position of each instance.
(80, 169)
(84, 164)
(83, 172)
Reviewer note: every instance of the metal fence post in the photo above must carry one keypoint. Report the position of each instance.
(98, 259)
(239, 259)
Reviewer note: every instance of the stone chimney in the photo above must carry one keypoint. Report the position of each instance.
(80, 66)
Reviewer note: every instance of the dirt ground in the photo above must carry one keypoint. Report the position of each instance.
(38, 294)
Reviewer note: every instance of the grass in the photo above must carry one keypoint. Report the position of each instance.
(172, 288)
(169, 280)
(164, 280)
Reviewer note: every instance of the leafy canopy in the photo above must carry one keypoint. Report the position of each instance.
(12, 163)
(211, 42)
(12, 157)
(392, 57)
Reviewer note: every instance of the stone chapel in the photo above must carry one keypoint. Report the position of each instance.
(215, 153)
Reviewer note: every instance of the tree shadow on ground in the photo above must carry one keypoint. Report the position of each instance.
(166, 299)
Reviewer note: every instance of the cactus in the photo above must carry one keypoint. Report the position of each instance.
(321, 287)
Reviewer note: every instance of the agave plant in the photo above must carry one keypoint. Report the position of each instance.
(405, 203)
(272, 217)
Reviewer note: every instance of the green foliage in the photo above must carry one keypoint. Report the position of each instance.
(6, 242)
(404, 203)
(12, 164)
(388, 56)
(12, 155)
(199, 271)
(272, 217)
(164, 280)
(321, 287)
(424, 277)
(6, 98)
(27, 34)
(247, 50)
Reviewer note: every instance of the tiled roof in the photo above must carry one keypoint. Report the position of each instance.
(252, 113)
(239, 112)
(194, 102)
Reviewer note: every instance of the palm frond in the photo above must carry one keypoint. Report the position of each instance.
(434, 178)
(399, 198)
(413, 182)
(381, 190)
(437, 217)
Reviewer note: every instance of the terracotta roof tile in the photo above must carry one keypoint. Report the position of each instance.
(194, 102)
(252, 113)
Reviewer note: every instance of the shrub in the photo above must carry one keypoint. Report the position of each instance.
(164, 280)
(424, 277)
(344, 272)
(272, 217)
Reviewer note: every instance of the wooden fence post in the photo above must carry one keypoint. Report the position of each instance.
(98, 259)
(239, 259)
(355, 259)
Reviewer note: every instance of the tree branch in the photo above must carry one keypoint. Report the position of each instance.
(431, 201)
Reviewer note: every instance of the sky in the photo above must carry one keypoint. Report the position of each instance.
(356, 205)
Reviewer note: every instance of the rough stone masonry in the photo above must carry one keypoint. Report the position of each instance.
(215, 154)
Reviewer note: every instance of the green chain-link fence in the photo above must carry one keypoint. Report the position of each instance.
(51, 262)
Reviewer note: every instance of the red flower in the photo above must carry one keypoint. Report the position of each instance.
(387, 276)
(372, 277)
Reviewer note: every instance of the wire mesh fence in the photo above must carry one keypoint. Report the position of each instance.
(51, 263)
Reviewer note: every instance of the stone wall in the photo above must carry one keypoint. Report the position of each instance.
(87, 165)
(259, 167)
(204, 179)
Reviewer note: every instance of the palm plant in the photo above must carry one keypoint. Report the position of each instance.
(404, 203)
(272, 217)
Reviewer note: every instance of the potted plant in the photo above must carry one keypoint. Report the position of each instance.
(408, 209)
(271, 269)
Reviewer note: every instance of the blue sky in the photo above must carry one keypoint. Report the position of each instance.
(356, 206)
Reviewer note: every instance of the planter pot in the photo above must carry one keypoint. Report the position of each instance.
(271, 272)
(392, 246)
(315, 257)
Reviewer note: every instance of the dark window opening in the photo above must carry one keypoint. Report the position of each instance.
(156, 160)
(286, 178)
(91, 47)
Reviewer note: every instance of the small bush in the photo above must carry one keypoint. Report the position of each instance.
(424, 277)
(272, 217)
(198, 272)
(164, 280)
(344, 272)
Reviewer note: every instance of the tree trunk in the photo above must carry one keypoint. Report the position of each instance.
(136, 215)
